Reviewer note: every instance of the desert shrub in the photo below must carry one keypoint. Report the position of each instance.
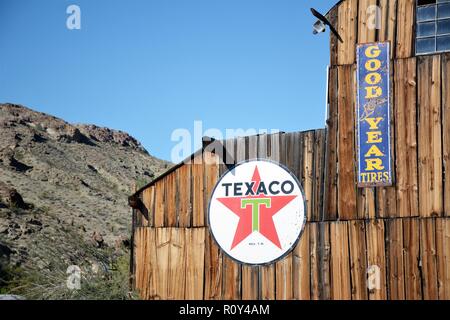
(140, 182)
(19, 155)
(39, 127)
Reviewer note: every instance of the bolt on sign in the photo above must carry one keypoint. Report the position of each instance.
(373, 115)
(257, 212)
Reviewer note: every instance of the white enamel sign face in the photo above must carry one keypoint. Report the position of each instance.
(257, 212)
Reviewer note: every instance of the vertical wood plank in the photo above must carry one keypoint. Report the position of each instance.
(308, 173)
(195, 263)
(198, 193)
(241, 149)
(177, 264)
(151, 275)
(411, 258)
(405, 24)
(333, 18)
(443, 257)
(231, 279)
(394, 252)
(366, 23)
(253, 147)
(213, 269)
(139, 261)
(386, 202)
(325, 261)
(284, 288)
(376, 257)
(348, 17)
(275, 152)
(358, 262)
(162, 258)
(366, 203)
(301, 267)
(346, 144)
(294, 154)
(430, 140)
(211, 176)
(319, 166)
(388, 29)
(160, 190)
(331, 173)
(428, 258)
(446, 129)
(406, 137)
(263, 143)
(171, 200)
(184, 189)
(267, 283)
(250, 283)
(340, 266)
(315, 263)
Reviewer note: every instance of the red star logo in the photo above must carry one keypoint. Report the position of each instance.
(256, 213)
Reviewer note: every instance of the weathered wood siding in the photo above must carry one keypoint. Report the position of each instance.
(354, 20)
(360, 244)
(330, 262)
(420, 119)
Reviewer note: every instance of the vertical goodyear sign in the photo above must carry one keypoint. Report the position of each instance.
(373, 115)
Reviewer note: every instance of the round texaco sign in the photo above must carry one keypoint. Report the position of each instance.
(257, 212)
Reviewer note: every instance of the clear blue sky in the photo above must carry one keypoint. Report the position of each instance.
(150, 67)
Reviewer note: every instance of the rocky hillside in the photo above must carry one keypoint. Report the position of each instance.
(56, 176)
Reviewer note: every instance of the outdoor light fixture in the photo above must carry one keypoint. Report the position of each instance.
(320, 25)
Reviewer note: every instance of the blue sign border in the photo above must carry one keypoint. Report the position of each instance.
(378, 106)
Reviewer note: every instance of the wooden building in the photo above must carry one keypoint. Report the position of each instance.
(398, 235)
